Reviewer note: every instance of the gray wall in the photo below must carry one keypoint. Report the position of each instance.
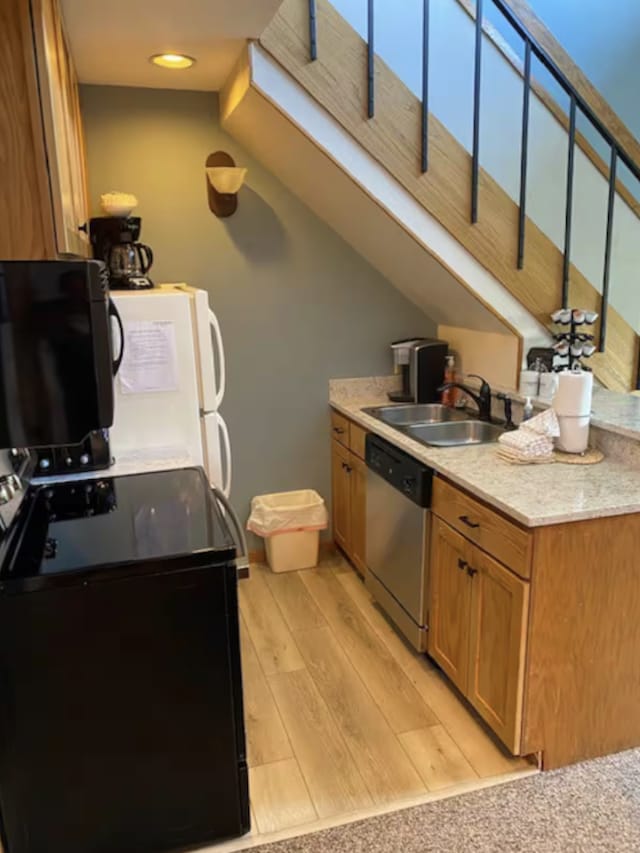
(297, 305)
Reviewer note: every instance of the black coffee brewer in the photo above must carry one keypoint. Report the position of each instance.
(115, 241)
(420, 362)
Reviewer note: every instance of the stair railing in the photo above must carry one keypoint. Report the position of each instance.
(576, 104)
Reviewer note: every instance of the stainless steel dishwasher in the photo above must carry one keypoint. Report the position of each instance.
(398, 536)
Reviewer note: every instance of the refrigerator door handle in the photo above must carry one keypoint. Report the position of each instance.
(226, 454)
(219, 347)
(242, 557)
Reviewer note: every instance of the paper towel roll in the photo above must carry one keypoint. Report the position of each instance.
(573, 396)
(574, 433)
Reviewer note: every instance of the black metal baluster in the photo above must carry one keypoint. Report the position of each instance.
(569, 209)
(607, 248)
(370, 61)
(313, 32)
(425, 85)
(524, 153)
(543, 56)
(475, 166)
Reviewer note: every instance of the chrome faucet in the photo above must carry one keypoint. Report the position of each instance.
(482, 399)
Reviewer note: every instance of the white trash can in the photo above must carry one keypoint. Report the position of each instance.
(290, 524)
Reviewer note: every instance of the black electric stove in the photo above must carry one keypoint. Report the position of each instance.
(129, 524)
(121, 722)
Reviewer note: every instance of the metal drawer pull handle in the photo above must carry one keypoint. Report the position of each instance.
(471, 571)
(466, 520)
(339, 430)
(462, 564)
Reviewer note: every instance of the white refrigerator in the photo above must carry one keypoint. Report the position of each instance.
(170, 385)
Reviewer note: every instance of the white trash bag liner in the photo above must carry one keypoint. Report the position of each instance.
(287, 512)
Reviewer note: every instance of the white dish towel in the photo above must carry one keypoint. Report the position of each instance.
(533, 441)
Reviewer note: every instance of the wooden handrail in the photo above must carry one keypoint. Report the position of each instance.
(587, 91)
(552, 105)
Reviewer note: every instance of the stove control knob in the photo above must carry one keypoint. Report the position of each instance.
(84, 459)
(44, 464)
(68, 461)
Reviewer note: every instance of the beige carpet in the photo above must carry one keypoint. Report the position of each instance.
(588, 807)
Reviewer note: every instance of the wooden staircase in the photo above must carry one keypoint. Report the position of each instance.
(337, 80)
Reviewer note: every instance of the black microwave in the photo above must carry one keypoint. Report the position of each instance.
(56, 354)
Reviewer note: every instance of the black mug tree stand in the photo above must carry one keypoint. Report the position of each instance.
(571, 344)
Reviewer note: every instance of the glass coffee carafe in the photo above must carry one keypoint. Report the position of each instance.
(129, 263)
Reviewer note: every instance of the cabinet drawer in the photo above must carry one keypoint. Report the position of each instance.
(501, 538)
(340, 428)
(357, 437)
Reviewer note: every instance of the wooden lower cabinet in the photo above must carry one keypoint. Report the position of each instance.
(341, 495)
(358, 494)
(449, 612)
(477, 632)
(349, 492)
(499, 610)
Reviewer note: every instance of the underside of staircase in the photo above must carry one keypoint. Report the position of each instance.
(337, 83)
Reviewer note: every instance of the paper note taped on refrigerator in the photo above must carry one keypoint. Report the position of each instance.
(150, 359)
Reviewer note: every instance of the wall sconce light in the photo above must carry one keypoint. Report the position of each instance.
(224, 180)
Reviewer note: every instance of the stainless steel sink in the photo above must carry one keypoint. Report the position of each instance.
(425, 413)
(454, 433)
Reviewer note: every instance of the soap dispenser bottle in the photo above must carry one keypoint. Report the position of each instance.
(527, 412)
(449, 394)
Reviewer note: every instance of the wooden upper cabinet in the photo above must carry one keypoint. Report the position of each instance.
(25, 203)
(450, 602)
(499, 609)
(43, 194)
(62, 125)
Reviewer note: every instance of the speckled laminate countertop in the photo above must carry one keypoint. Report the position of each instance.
(534, 495)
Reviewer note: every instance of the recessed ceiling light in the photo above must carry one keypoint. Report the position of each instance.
(172, 60)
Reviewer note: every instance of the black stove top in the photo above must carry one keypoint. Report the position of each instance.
(88, 525)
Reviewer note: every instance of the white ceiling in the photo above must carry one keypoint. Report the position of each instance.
(111, 42)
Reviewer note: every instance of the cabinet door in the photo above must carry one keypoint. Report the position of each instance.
(358, 489)
(25, 199)
(62, 128)
(341, 488)
(499, 607)
(449, 602)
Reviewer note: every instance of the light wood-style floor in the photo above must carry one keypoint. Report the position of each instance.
(341, 715)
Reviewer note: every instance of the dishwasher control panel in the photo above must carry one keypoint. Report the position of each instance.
(410, 477)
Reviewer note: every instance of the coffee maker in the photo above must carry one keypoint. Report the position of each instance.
(115, 241)
(421, 363)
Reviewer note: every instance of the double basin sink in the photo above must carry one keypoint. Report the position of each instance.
(436, 425)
